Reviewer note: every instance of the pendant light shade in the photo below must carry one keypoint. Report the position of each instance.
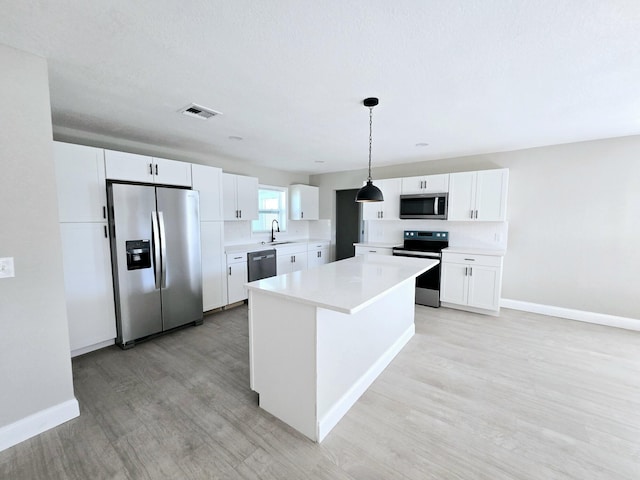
(370, 193)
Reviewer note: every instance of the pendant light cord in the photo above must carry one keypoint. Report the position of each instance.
(370, 139)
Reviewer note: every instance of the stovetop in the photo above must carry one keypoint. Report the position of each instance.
(424, 241)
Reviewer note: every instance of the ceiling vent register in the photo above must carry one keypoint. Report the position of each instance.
(198, 111)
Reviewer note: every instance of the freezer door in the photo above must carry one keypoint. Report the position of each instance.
(135, 261)
(181, 276)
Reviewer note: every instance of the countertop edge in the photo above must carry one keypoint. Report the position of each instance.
(476, 251)
(320, 304)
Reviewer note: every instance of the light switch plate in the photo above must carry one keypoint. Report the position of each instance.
(6, 267)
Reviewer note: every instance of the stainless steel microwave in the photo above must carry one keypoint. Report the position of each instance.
(431, 206)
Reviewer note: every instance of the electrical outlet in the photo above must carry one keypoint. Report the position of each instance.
(6, 267)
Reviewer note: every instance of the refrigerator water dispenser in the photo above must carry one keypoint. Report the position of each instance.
(138, 254)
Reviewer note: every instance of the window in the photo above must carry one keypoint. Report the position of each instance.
(272, 205)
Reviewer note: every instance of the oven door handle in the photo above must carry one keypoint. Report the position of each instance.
(409, 255)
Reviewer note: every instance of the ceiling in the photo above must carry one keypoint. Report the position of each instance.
(289, 76)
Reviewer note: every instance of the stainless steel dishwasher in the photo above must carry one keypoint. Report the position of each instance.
(261, 264)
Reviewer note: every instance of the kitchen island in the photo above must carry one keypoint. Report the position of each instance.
(319, 338)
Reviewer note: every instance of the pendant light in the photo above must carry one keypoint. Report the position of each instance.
(369, 193)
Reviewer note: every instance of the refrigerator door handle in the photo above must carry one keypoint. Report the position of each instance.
(163, 251)
(157, 261)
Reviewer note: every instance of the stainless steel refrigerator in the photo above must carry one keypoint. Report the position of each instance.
(155, 254)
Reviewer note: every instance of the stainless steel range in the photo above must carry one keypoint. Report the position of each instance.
(421, 244)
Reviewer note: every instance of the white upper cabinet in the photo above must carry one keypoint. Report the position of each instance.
(239, 197)
(140, 168)
(389, 209)
(171, 172)
(128, 166)
(80, 182)
(208, 181)
(491, 195)
(304, 202)
(425, 184)
(478, 195)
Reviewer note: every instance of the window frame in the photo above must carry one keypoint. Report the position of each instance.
(282, 212)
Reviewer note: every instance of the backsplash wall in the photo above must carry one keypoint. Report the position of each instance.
(239, 233)
(461, 234)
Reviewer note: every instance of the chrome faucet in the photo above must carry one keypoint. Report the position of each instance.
(273, 237)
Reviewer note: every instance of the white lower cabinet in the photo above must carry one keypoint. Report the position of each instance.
(214, 279)
(88, 286)
(317, 254)
(237, 276)
(473, 281)
(364, 250)
(291, 259)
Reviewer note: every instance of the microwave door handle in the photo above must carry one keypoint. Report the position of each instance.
(156, 248)
(436, 206)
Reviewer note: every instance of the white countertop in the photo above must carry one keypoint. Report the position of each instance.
(345, 286)
(378, 244)
(256, 247)
(475, 251)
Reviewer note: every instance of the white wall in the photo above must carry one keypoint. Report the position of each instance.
(573, 212)
(35, 364)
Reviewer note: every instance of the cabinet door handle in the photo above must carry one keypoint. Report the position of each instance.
(105, 232)
(471, 214)
(476, 213)
(156, 169)
(229, 270)
(301, 214)
(381, 214)
(470, 259)
(236, 213)
(471, 271)
(373, 251)
(465, 271)
(420, 184)
(240, 213)
(150, 169)
(104, 212)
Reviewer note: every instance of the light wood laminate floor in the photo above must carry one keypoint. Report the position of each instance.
(520, 396)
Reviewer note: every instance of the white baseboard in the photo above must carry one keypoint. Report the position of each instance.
(37, 423)
(342, 406)
(91, 348)
(571, 314)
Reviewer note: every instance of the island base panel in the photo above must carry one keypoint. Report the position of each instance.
(282, 347)
(349, 345)
(310, 364)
